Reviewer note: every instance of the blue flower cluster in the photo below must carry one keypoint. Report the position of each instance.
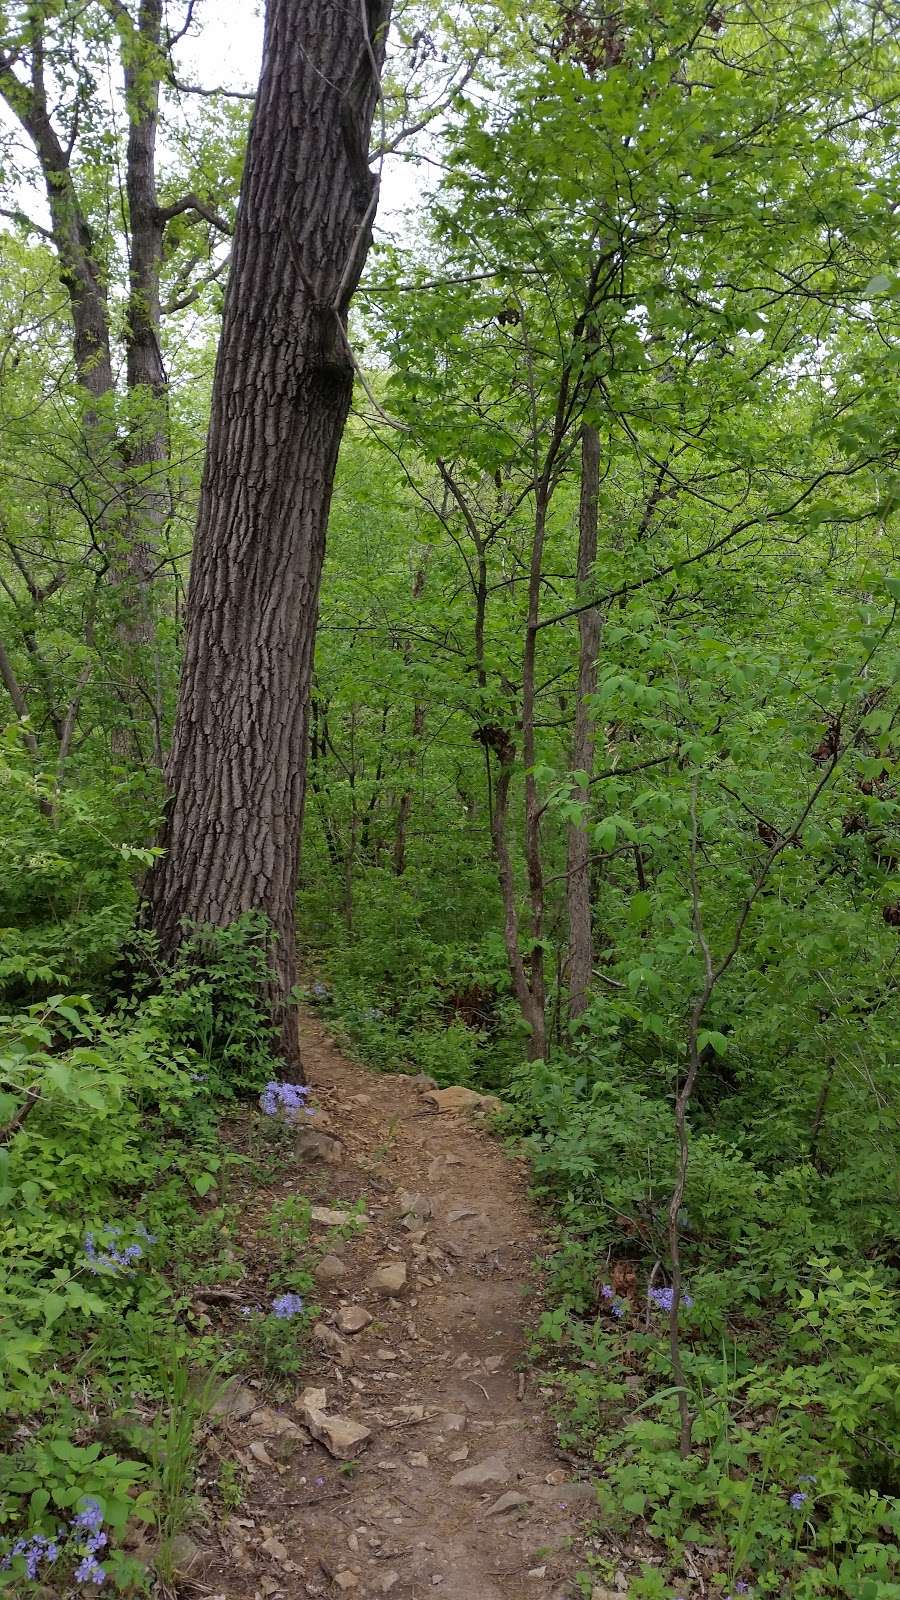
(85, 1534)
(616, 1306)
(662, 1298)
(284, 1097)
(799, 1497)
(33, 1551)
(287, 1305)
(108, 1257)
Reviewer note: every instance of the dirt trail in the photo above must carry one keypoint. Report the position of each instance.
(401, 1521)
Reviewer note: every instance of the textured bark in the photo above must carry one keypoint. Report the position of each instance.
(281, 394)
(146, 450)
(578, 887)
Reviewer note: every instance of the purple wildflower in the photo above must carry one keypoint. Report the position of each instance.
(662, 1298)
(287, 1305)
(607, 1291)
(109, 1256)
(32, 1551)
(741, 1587)
(798, 1499)
(89, 1570)
(618, 1308)
(282, 1097)
(90, 1517)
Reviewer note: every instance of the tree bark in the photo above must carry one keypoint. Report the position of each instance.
(281, 394)
(578, 886)
(146, 449)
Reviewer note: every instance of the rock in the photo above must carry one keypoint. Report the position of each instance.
(454, 1421)
(422, 1081)
(493, 1363)
(285, 1446)
(460, 1213)
(457, 1098)
(492, 1470)
(418, 1459)
(329, 1270)
(600, 1592)
(536, 1572)
(283, 1437)
(389, 1581)
(330, 1340)
(310, 1145)
(352, 1319)
(414, 1209)
(274, 1424)
(185, 1556)
(232, 1401)
(345, 1581)
(260, 1453)
(511, 1501)
(361, 1100)
(462, 1454)
(335, 1219)
(386, 1355)
(275, 1549)
(567, 1493)
(389, 1279)
(341, 1437)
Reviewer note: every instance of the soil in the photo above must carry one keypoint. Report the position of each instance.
(438, 1376)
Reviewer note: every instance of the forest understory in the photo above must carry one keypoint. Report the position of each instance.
(449, 591)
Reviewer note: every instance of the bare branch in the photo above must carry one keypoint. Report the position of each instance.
(192, 202)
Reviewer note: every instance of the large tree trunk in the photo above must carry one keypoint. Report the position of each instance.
(578, 887)
(281, 394)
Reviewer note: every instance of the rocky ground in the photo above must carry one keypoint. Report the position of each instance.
(418, 1454)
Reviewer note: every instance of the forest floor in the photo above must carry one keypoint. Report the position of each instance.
(459, 1491)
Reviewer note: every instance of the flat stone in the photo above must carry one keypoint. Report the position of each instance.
(275, 1549)
(352, 1319)
(389, 1279)
(274, 1424)
(310, 1145)
(511, 1501)
(330, 1340)
(458, 1098)
(233, 1401)
(414, 1209)
(342, 1437)
(345, 1581)
(186, 1556)
(329, 1270)
(326, 1218)
(493, 1469)
(454, 1421)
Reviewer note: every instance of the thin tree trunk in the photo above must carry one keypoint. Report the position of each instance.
(404, 810)
(146, 449)
(578, 886)
(281, 394)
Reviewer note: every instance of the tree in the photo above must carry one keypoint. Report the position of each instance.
(53, 65)
(281, 396)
